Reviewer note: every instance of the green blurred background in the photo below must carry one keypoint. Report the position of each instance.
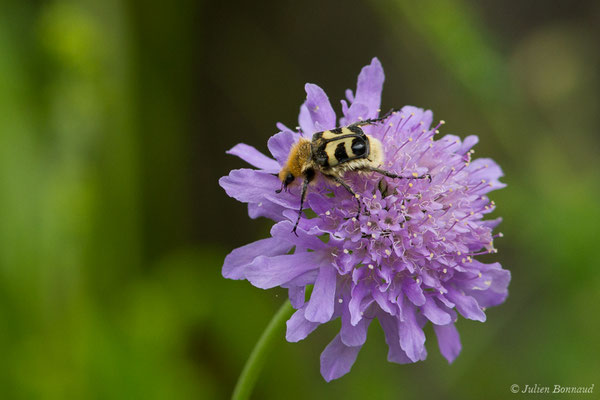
(114, 119)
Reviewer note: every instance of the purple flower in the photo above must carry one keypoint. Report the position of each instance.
(409, 258)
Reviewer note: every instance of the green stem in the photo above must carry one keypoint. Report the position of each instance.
(247, 379)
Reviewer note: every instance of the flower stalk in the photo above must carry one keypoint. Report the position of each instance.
(247, 380)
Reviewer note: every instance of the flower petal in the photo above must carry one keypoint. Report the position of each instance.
(434, 313)
(254, 157)
(413, 291)
(283, 231)
(383, 301)
(337, 359)
(368, 91)
(297, 296)
(236, 185)
(390, 329)
(237, 261)
(349, 95)
(412, 338)
(319, 108)
(353, 335)
(298, 327)
(492, 223)
(306, 278)
(280, 145)
(305, 121)
(466, 305)
(267, 272)
(356, 305)
(466, 145)
(353, 114)
(322, 300)
(272, 211)
(497, 280)
(486, 169)
(257, 186)
(414, 116)
(448, 341)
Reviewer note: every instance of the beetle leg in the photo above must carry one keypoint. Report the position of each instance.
(348, 188)
(302, 197)
(372, 121)
(394, 176)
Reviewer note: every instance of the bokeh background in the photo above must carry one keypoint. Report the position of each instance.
(114, 121)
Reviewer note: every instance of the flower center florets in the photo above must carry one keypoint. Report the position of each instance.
(410, 226)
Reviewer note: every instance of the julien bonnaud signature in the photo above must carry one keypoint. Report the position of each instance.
(551, 389)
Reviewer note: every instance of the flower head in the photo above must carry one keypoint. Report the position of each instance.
(410, 256)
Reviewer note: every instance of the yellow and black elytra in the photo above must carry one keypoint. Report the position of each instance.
(332, 153)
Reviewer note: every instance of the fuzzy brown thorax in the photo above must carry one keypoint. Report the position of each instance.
(298, 160)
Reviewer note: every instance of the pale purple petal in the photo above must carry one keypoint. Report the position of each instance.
(237, 261)
(282, 127)
(489, 298)
(448, 341)
(444, 300)
(249, 185)
(466, 305)
(280, 145)
(283, 231)
(492, 223)
(298, 327)
(496, 281)
(320, 110)
(306, 123)
(451, 142)
(321, 303)
(368, 90)
(254, 186)
(355, 113)
(416, 117)
(353, 335)
(349, 95)
(466, 145)
(254, 157)
(297, 296)
(306, 278)
(390, 329)
(337, 359)
(413, 291)
(355, 306)
(412, 338)
(271, 211)
(486, 169)
(383, 302)
(434, 313)
(345, 108)
(267, 272)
